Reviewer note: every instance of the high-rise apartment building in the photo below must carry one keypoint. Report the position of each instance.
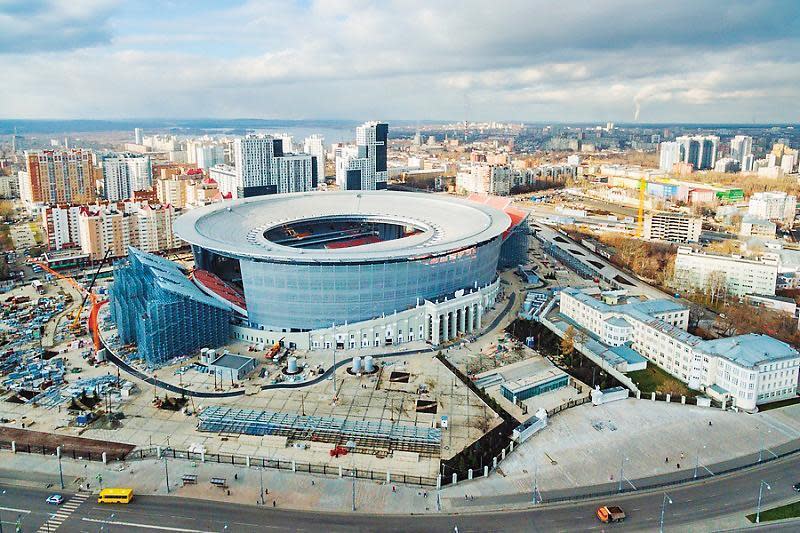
(61, 228)
(364, 166)
(700, 151)
(484, 178)
(262, 167)
(225, 176)
(670, 153)
(315, 146)
(58, 177)
(116, 226)
(125, 173)
(741, 148)
(137, 135)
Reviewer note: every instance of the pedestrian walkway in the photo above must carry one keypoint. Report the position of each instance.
(64, 512)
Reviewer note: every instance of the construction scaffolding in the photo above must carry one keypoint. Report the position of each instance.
(367, 436)
(156, 306)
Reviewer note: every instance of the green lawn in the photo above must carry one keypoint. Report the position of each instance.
(791, 510)
(653, 379)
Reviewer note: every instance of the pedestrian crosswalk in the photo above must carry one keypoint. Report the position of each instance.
(63, 512)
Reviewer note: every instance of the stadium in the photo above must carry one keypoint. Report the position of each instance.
(304, 261)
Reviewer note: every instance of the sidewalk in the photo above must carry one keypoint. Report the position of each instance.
(287, 489)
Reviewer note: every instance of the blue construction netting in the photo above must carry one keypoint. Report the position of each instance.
(515, 248)
(156, 306)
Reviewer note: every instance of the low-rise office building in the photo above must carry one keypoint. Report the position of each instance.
(733, 274)
(746, 369)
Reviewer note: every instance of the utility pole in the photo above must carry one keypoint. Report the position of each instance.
(261, 477)
(166, 470)
(354, 489)
(60, 470)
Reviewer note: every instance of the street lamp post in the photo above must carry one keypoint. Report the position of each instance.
(535, 482)
(166, 470)
(697, 460)
(261, 478)
(622, 471)
(760, 492)
(1, 518)
(354, 488)
(663, 508)
(60, 470)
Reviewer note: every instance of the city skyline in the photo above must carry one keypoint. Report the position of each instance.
(532, 61)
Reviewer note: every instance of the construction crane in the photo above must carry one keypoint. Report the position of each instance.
(76, 322)
(640, 219)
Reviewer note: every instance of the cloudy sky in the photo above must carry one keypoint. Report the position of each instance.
(534, 60)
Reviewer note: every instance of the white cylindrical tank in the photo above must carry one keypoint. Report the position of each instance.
(292, 369)
(369, 364)
(356, 364)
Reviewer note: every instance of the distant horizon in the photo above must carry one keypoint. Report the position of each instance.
(121, 124)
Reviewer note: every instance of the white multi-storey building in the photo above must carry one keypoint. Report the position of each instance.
(364, 166)
(225, 176)
(746, 370)
(775, 206)
(670, 153)
(123, 174)
(733, 274)
(741, 150)
(262, 167)
(315, 146)
(672, 227)
(60, 225)
(209, 154)
(486, 179)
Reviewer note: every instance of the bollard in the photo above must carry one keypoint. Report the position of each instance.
(683, 400)
(388, 477)
(105, 458)
(485, 470)
(13, 446)
(247, 461)
(58, 451)
(494, 462)
(203, 457)
(469, 474)
(455, 478)
(638, 395)
(438, 481)
(503, 454)
(669, 397)
(340, 471)
(653, 396)
(511, 447)
(294, 466)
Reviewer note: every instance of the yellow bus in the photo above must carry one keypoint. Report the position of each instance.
(115, 496)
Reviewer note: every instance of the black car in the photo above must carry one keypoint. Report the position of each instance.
(796, 487)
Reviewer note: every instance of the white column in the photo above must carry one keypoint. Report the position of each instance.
(480, 315)
(435, 325)
(462, 320)
(470, 318)
(446, 328)
(453, 324)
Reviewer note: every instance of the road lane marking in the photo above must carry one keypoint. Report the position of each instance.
(63, 512)
(11, 509)
(144, 526)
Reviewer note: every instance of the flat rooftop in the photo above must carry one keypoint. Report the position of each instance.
(232, 361)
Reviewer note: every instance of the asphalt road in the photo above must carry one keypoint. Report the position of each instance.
(694, 508)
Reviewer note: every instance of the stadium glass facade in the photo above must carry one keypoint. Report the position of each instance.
(156, 306)
(301, 296)
(515, 248)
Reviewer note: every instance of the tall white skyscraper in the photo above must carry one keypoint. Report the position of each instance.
(670, 154)
(315, 146)
(262, 167)
(137, 135)
(123, 174)
(741, 147)
(363, 166)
